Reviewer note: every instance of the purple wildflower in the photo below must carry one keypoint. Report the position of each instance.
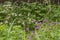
(38, 22)
(37, 27)
(56, 23)
(45, 20)
(50, 24)
(33, 20)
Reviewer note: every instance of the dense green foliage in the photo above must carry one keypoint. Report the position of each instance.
(26, 12)
(45, 32)
(18, 22)
(30, 10)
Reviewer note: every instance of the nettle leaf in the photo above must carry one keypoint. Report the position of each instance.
(3, 27)
(25, 9)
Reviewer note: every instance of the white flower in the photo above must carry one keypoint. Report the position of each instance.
(6, 22)
(1, 23)
(15, 14)
(19, 14)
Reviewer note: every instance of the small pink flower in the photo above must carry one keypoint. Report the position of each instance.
(27, 29)
(29, 37)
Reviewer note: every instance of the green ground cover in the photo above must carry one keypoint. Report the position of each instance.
(29, 21)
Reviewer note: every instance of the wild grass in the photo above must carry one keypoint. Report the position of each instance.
(29, 21)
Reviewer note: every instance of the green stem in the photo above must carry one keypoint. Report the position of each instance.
(8, 34)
